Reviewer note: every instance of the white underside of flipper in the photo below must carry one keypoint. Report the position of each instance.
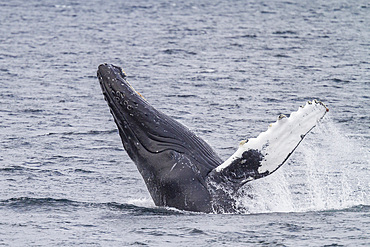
(281, 138)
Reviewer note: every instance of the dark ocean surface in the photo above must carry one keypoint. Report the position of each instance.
(225, 69)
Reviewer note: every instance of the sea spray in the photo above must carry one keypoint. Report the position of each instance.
(328, 171)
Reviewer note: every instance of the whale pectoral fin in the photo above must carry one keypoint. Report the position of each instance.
(243, 169)
(261, 156)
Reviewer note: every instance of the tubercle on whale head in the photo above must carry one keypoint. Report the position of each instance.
(117, 73)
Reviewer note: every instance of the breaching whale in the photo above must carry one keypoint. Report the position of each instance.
(181, 170)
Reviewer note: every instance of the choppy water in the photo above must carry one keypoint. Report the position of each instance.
(226, 70)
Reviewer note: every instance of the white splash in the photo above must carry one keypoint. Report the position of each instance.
(142, 202)
(328, 171)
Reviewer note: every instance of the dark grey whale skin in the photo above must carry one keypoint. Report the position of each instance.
(176, 165)
(173, 161)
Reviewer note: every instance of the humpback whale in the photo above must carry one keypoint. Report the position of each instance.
(180, 169)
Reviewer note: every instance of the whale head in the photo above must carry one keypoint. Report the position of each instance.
(172, 160)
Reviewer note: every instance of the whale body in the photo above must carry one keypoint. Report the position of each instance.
(180, 169)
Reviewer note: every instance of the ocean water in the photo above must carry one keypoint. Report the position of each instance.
(225, 69)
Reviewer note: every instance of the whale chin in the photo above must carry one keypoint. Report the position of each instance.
(180, 169)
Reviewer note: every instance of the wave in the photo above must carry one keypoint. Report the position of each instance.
(29, 201)
(90, 132)
(48, 203)
(357, 208)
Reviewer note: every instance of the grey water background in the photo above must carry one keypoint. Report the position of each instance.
(226, 69)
